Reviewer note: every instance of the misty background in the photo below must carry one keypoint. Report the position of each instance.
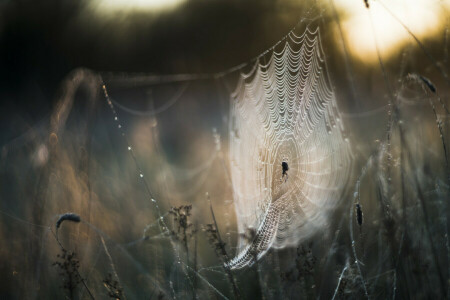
(51, 56)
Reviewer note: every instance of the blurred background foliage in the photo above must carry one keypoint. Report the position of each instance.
(62, 150)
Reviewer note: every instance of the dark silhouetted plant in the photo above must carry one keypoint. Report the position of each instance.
(115, 291)
(68, 266)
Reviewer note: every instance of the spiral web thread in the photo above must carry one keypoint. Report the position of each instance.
(284, 110)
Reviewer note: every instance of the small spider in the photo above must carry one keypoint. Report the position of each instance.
(285, 168)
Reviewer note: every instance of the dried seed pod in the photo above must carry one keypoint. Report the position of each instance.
(69, 217)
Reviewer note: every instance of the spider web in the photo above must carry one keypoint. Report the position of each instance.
(285, 111)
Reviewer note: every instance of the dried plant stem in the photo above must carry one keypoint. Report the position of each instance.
(113, 268)
(224, 253)
(78, 273)
(426, 219)
(330, 253)
(391, 101)
(356, 196)
(394, 115)
(441, 133)
(404, 207)
(339, 281)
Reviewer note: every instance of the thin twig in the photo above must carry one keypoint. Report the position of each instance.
(339, 281)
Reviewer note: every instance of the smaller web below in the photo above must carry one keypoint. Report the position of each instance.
(284, 110)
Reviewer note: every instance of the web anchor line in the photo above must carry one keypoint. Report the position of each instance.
(160, 216)
(138, 79)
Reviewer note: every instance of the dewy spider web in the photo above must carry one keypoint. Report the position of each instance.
(285, 111)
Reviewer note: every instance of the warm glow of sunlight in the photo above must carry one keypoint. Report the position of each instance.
(116, 5)
(423, 18)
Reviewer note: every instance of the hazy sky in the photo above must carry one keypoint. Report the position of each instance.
(41, 41)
